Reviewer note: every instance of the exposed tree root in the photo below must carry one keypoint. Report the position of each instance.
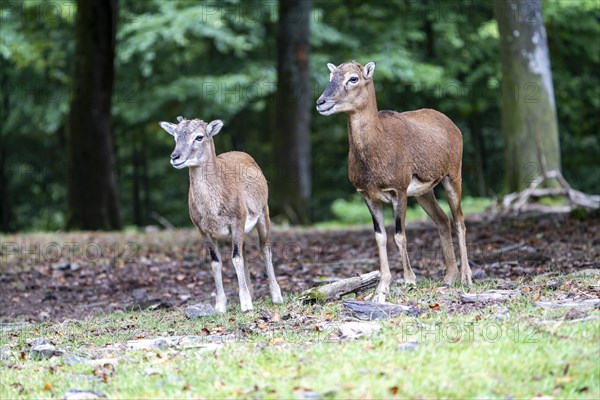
(515, 202)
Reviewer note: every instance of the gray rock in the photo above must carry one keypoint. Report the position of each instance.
(77, 394)
(5, 355)
(161, 344)
(75, 266)
(554, 284)
(368, 310)
(354, 330)
(73, 359)
(479, 274)
(45, 351)
(43, 315)
(139, 293)
(61, 265)
(308, 395)
(502, 314)
(411, 345)
(200, 310)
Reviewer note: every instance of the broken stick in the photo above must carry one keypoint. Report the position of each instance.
(335, 290)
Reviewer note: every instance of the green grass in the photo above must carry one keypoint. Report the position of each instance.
(463, 353)
(354, 211)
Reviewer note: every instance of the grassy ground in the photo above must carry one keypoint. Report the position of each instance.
(508, 349)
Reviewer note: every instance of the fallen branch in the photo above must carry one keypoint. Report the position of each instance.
(489, 296)
(568, 303)
(335, 290)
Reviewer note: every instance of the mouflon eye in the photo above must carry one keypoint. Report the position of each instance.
(198, 138)
(353, 79)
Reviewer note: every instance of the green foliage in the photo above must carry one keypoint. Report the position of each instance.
(218, 60)
(354, 211)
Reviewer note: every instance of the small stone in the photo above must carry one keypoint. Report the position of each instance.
(45, 351)
(502, 314)
(479, 274)
(554, 284)
(200, 310)
(77, 394)
(161, 344)
(152, 371)
(354, 330)
(411, 345)
(73, 359)
(4, 355)
(43, 315)
(75, 266)
(139, 293)
(575, 313)
(61, 265)
(308, 395)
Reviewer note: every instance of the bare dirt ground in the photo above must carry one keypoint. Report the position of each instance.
(73, 275)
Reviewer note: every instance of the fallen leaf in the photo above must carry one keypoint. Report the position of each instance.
(394, 390)
(563, 379)
(276, 317)
(434, 307)
(47, 386)
(276, 341)
(219, 385)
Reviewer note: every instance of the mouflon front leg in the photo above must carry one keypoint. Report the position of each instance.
(399, 203)
(237, 258)
(216, 266)
(381, 239)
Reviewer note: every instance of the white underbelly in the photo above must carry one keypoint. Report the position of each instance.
(418, 188)
(250, 223)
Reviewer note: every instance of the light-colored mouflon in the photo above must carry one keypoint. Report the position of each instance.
(227, 198)
(394, 155)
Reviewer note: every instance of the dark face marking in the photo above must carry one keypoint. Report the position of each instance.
(236, 251)
(332, 87)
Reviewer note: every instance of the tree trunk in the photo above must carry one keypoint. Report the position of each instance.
(293, 106)
(4, 199)
(479, 150)
(93, 202)
(529, 121)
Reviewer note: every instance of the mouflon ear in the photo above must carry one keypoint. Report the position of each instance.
(368, 70)
(214, 127)
(169, 127)
(331, 67)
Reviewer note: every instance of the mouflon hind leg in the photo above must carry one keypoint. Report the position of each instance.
(442, 222)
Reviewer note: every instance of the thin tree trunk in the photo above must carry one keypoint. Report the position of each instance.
(135, 187)
(529, 121)
(93, 201)
(145, 180)
(4, 200)
(475, 130)
(293, 105)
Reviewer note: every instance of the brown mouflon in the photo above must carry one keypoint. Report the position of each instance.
(227, 198)
(394, 155)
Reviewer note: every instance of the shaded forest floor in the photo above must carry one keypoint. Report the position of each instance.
(73, 275)
(111, 323)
